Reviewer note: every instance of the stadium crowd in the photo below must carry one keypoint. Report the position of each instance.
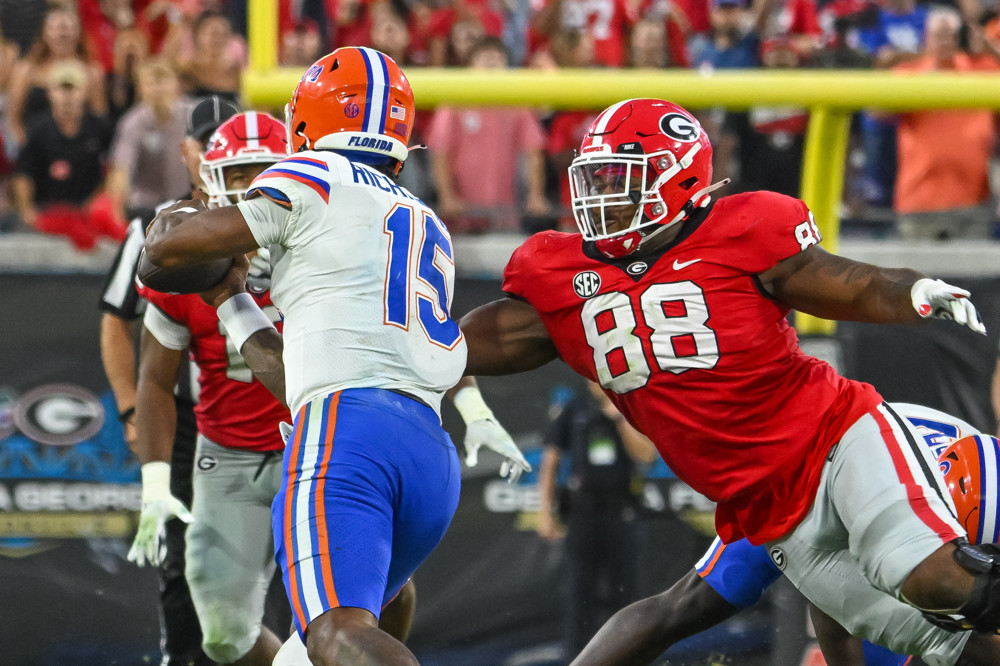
(95, 95)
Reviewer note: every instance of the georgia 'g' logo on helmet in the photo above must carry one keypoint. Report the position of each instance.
(970, 467)
(246, 138)
(644, 165)
(680, 127)
(355, 98)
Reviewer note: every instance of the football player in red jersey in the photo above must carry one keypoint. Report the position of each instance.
(676, 305)
(230, 554)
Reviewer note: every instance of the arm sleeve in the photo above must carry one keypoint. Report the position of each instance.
(168, 332)
(120, 296)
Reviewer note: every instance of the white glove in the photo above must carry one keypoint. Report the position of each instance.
(285, 428)
(158, 506)
(482, 429)
(940, 300)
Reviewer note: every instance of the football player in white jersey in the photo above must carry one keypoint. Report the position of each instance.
(364, 275)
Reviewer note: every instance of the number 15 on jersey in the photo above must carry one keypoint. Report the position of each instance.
(421, 280)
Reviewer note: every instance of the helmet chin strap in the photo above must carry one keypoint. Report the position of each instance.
(685, 211)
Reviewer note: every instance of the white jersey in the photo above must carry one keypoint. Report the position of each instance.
(939, 430)
(363, 273)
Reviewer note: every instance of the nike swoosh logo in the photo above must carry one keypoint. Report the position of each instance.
(684, 264)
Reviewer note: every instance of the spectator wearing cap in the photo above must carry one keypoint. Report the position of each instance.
(942, 187)
(60, 167)
(734, 41)
(60, 40)
(146, 168)
(476, 194)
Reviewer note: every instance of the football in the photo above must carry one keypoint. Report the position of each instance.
(185, 279)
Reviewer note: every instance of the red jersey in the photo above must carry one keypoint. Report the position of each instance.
(234, 409)
(696, 357)
(608, 22)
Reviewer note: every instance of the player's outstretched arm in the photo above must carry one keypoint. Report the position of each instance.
(253, 334)
(505, 337)
(639, 633)
(826, 285)
(187, 233)
(483, 429)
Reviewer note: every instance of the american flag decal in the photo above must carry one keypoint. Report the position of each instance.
(397, 112)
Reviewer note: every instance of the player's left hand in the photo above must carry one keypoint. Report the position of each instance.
(487, 432)
(234, 283)
(158, 506)
(940, 300)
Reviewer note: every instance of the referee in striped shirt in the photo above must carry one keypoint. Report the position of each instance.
(123, 307)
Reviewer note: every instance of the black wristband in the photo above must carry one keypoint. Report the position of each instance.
(126, 414)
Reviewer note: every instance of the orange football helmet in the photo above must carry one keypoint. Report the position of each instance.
(355, 99)
(971, 468)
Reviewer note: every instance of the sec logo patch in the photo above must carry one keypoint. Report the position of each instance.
(586, 284)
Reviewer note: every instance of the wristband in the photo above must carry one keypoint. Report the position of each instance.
(470, 404)
(155, 480)
(242, 318)
(126, 414)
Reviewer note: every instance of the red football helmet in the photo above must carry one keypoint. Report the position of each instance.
(246, 138)
(970, 466)
(643, 164)
(355, 98)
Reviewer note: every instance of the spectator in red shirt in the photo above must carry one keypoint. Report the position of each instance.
(607, 21)
(570, 48)
(474, 158)
(459, 26)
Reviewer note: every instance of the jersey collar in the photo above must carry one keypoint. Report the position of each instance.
(624, 264)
